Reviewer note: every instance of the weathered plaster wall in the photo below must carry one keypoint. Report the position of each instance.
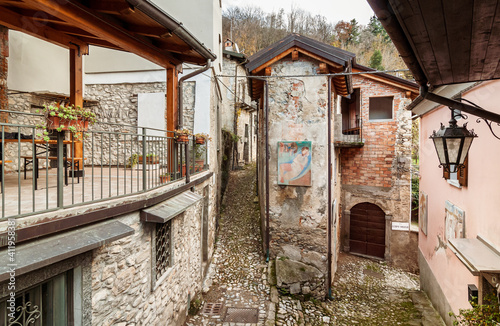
(379, 172)
(298, 215)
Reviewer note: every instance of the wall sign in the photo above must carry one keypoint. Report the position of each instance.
(400, 226)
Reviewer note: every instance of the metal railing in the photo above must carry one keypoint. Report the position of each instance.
(110, 161)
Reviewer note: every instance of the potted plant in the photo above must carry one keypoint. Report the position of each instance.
(132, 160)
(165, 177)
(199, 154)
(65, 117)
(151, 158)
(182, 135)
(201, 138)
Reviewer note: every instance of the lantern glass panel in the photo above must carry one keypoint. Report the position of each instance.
(438, 143)
(453, 145)
(465, 150)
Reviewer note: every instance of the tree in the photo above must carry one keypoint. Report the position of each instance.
(376, 28)
(354, 34)
(376, 60)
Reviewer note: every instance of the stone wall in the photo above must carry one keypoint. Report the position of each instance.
(122, 287)
(4, 54)
(379, 172)
(298, 215)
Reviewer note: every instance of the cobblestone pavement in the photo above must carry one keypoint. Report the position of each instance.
(365, 291)
(237, 277)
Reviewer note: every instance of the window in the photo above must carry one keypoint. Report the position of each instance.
(49, 303)
(381, 108)
(458, 178)
(163, 246)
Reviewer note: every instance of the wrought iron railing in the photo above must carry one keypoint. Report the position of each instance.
(110, 161)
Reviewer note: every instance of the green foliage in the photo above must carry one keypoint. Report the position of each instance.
(480, 315)
(376, 60)
(376, 28)
(68, 113)
(415, 188)
(133, 160)
(355, 32)
(199, 151)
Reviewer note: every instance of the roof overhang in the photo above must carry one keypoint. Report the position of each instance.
(477, 255)
(444, 43)
(332, 60)
(170, 208)
(395, 81)
(135, 26)
(46, 251)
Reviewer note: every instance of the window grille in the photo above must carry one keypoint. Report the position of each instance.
(163, 248)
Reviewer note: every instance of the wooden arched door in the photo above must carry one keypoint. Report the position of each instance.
(367, 230)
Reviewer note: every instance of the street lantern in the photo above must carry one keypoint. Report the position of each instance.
(452, 144)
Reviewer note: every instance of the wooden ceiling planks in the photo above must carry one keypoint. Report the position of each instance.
(482, 22)
(458, 19)
(433, 16)
(453, 41)
(491, 64)
(414, 25)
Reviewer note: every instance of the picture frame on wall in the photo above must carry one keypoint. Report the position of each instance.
(294, 163)
(422, 212)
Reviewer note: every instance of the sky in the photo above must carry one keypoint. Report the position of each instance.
(333, 10)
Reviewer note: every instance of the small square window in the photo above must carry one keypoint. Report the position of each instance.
(163, 245)
(381, 108)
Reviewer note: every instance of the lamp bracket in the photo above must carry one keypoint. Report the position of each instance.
(489, 124)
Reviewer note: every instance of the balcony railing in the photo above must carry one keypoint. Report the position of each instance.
(347, 137)
(111, 161)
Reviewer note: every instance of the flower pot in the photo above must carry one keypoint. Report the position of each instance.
(165, 178)
(200, 140)
(54, 122)
(182, 139)
(152, 160)
(199, 164)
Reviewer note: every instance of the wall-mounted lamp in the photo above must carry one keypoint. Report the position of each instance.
(452, 144)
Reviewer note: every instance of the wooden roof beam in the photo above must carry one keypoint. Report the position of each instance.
(111, 7)
(29, 26)
(151, 31)
(91, 22)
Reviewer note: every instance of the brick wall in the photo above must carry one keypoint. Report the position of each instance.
(4, 53)
(372, 164)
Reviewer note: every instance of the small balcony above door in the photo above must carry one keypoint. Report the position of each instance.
(348, 124)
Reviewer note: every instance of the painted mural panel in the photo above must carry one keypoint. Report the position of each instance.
(294, 163)
(422, 214)
(455, 221)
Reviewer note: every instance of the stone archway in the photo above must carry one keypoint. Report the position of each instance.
(367, 230)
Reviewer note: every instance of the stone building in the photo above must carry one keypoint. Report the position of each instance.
(238, 113)
(116, 246)
(356, 156)
(373, 133)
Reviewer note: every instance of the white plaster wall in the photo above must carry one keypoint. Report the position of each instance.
(151, 107)
(36, 65)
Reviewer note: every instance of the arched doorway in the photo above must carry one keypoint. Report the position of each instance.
(367, 230)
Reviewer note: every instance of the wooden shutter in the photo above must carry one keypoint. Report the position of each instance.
(462, 173)
(446, 174)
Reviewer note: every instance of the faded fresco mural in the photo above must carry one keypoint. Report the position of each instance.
(294, 163)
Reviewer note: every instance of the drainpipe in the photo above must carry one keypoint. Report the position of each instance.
(181, 108)
(329, 182)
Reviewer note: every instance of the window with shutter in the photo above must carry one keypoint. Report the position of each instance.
(458, 178)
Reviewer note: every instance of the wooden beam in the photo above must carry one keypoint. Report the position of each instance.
(76, 90)
(111, 7)
(323, 68)
(172, 47)
(295, 55)
(151, 31)
(388, 82)
(34, 28)
(172, 109)
(268, 71)
(91, 22)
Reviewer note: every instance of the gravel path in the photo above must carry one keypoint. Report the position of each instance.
(237, 292)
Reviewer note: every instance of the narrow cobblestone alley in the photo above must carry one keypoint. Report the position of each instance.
(238, 290)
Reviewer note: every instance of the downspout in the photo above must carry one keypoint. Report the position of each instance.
(329, 182)
(181, 108)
